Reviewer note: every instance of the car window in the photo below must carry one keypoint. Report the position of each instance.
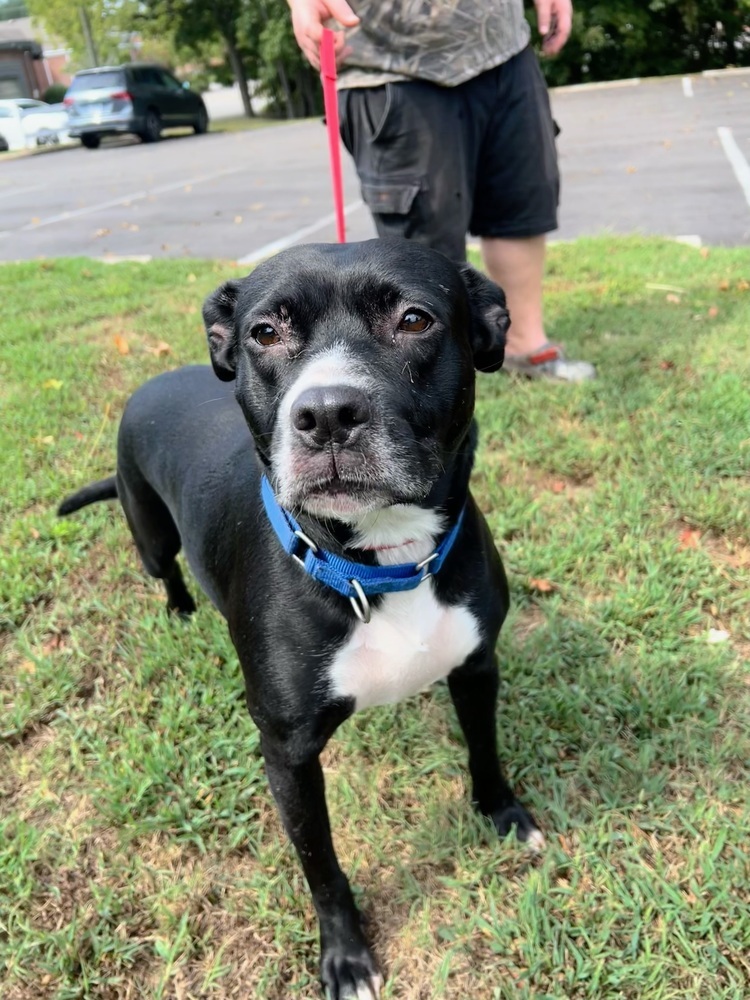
(97, 81)
(149, 76)
(169, 81)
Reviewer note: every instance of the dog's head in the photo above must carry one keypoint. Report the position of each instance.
(354, 367)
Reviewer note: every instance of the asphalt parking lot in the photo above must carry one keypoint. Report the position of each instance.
(667, 157)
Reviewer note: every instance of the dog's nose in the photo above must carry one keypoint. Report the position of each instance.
(331, 413)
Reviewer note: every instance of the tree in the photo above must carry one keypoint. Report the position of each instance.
(614, 39)
(284, 75)
(257, 38)
(611, 39)
(193, 23)
(108, 24)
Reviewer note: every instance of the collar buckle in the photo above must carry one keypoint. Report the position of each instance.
(424, 565)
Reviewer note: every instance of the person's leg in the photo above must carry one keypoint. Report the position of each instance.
(517, 265)
(515, 205)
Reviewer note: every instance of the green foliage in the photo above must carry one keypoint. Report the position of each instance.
(255, 39)
(194, 23)
(110, 25)
(611, 39)
(285, 76)
(626, 38)
(55, 93)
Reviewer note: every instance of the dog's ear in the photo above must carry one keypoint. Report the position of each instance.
(218, 316)
(489, 319)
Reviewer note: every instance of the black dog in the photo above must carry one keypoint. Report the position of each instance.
(337, 536)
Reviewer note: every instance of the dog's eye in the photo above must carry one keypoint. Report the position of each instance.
(265, 335)
(415, 321)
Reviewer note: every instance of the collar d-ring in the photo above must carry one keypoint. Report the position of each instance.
(359, 603)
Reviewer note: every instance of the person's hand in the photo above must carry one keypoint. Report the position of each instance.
(555, 19)
(308, 20)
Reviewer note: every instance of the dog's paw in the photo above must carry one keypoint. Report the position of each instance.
(349, 974)
(526, 829)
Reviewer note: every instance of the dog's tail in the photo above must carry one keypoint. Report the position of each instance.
(104, 489)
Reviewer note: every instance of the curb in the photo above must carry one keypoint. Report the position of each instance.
(688, 240)
(572, 88)
(636, 81)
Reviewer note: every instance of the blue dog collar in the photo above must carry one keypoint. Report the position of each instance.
(350, 579)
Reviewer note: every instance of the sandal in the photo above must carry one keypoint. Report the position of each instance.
(549, 361)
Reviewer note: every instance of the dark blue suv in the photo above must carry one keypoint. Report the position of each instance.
(139, 98)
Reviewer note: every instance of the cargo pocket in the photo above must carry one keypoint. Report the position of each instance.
(370, 121)
(379, 110)
(390, 197)
(345, 129)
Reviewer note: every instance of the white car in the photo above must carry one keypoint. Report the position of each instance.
(25, 123)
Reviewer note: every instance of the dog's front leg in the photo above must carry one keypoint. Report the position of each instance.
(474, 688)
(347, 967)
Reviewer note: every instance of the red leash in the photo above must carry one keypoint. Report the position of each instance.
(330, 100)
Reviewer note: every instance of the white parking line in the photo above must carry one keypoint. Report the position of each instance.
(687, 86)
(124, 199)
(14, 191)
(736, 159)
(690, 240)
(300, 234)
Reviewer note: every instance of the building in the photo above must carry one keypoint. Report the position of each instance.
(26, 68)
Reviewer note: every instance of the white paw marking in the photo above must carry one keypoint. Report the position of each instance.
(369, 992)
(536, 842)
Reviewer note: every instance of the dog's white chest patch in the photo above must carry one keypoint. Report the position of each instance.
(411, 641)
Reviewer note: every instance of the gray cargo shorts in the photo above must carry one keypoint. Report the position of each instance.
(437, 162)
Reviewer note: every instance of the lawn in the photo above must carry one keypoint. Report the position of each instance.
(241, 123)
(140, 854)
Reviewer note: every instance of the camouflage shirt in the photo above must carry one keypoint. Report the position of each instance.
(444, 41)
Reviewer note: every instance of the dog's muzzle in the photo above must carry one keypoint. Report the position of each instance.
(341, 450)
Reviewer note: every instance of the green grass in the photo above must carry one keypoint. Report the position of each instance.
(140, 854)
(241, 123)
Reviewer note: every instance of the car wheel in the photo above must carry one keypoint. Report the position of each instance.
(91, 141)
(151, 126)
(201, 122)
